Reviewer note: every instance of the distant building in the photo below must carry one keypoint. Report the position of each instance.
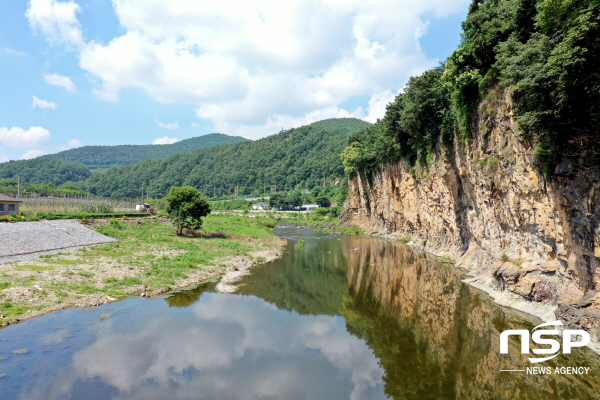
(309, 207)
(9, 205)
(144, 207)
(260, 206)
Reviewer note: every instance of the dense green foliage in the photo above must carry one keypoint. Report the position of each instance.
(323, 201)
(186, 207)
(109, 156)
(44, 170)
(546, 53)
(298, 158)
(285, 202)
(238, 204)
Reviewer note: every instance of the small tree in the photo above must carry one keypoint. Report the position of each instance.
(278, 200)
(294, 201)
(323, 201)
(186, 207)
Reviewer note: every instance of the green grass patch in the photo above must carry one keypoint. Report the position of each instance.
(36, 268)
(404, 240)
(150, 252)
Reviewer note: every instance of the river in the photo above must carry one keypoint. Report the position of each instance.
(339, 318)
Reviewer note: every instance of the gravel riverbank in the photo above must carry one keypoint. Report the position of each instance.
(27, 240)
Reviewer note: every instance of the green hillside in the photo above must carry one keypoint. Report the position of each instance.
(303, 157)
(44, 170)
(108, 156)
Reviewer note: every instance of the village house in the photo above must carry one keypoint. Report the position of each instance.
(9, 205)
(260, 206)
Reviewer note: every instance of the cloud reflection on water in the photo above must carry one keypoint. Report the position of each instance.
(229, 346)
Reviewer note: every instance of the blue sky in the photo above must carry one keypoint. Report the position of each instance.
(96, 72)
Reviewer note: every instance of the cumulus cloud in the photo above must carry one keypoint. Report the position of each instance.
(71, 144)
(43, 103)
(170, 125)
(57, 20)
(249, 66)
(74, 143)
(224, 339)
(32, 154)
(19, 137)
(165, 140)
(60, 80)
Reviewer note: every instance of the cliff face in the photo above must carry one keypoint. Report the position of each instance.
(487, 204)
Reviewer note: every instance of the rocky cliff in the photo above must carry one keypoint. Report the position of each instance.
(530, 243)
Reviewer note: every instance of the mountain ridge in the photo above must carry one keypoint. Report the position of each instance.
(98, 156)
(298, 157)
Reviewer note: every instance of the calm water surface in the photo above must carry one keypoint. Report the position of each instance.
(342, 318)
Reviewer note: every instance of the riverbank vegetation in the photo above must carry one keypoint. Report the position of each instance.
(544, 53)
(148, 258)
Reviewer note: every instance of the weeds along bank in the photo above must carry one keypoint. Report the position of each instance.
(532, 243)
(147, 259)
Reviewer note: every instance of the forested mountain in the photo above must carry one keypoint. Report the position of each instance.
(44, 170)
(545, 55)
(307, 156)
(108, 156)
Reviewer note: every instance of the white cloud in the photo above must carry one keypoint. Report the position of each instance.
(32, 154)
(18, 137)
(74, 143)
(15, 52)
(195, 125)
(377, 104)
(43, 103)
(249, 66)
(3, 158)
(165, 140)
(60, 80)
(224, 339)
(56, 20)
(170, 125)
(70, 145)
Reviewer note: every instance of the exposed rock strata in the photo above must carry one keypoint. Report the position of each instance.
(487, 204)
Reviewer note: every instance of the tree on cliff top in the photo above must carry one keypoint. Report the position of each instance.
(186, 207)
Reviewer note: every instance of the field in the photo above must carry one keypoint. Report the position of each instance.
(147, 259)
(73, 203)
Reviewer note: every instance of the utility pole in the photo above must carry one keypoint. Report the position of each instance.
(142, 193)
(18, 187)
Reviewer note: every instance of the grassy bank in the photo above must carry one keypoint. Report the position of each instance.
(147, 259)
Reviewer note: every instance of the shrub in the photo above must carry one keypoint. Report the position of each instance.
(334, 212)
(321, 211)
